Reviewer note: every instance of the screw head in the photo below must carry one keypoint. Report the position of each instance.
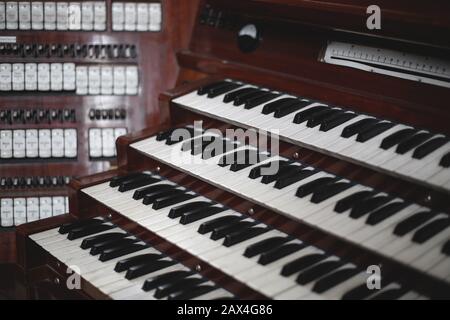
(57, 281)
(198, 268)
(428, 198)
(251, 211)
(296, 155)
(158, 169)
(109, 216)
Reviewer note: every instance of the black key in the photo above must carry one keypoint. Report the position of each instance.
(120, 251)
(358, 126)
(280, 103)
(445, 161)
(152, 197)
(302, 263)
(192, 293)
(318, 271)
(294, 178)
(385, 212)
(222, 231)
(314, 185)
(358, 293)
(332, 280)
(66, 228)
(91, 241)
(239, 157)
(155, 282)
(282, 172)
(176, 212)
(165, 202)
(205, 89)
(217, 91)
(148, 267)
(367, 205)
(243, 98)
(309, 113)
(199, 214)
(233, 95)
(140, 193)
(280, 252)
(181, 285)
(136, 183)
(430, 230)
(243, 235)
(208, 226)
(185, 133)
(212, 151)
(336, 121)
(446, 248)
(397, 137)
(257, 171)
(265, 245)
(125, 264)
(245, 160)
(412, 142)
(102, 246)
(254, 102)
(116, 181)
(348, 202)
(193, 144)
(164, 135)
(391, 294)
(285, 110)
(88, 231)
(374, 131)
(318, 119)
(413, 222)
(429, 147)
(329, 191)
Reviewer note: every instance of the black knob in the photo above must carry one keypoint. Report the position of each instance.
(248, 38)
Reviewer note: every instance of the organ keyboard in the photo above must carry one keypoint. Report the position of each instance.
(354, 193)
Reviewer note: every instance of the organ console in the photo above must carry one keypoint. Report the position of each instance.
(302, 155)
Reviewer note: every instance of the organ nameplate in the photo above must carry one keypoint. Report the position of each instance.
(389, 62)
